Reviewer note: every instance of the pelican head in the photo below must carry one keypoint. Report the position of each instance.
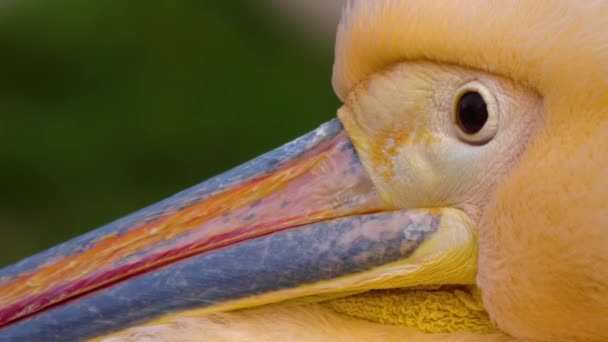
(461, 192)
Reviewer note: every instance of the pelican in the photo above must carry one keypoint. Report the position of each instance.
(459, 195)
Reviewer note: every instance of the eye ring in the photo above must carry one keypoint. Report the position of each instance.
(475, 114)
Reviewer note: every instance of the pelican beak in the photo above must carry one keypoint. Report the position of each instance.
(303, 220)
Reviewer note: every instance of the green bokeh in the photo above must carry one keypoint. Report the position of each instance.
(108, 106)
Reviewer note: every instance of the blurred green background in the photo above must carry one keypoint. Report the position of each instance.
(108, 106)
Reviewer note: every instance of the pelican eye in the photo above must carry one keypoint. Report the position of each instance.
(475, 114)
(472, 112)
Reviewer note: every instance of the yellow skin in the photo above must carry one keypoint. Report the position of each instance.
(401, 122)
(536, 190)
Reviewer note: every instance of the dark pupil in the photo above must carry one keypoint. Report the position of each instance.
(472, 113)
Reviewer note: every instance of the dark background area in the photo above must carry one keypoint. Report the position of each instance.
(108, 106)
